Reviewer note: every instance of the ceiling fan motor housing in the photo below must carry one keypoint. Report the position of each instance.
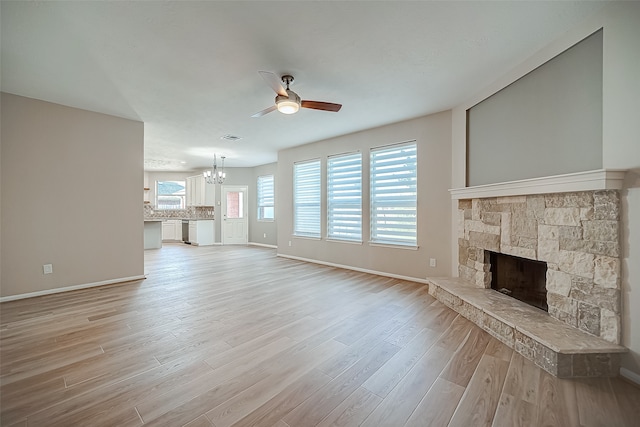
(292, 97)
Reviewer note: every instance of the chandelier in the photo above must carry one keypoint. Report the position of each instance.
(216, 175)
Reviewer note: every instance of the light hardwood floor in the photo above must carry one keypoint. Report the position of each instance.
(235, 336)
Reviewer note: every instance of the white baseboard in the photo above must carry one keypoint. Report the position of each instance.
(70, 288)
(264, 245)
(361, 270)
(630, 375)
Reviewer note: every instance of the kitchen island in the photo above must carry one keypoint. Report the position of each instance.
(152, 233)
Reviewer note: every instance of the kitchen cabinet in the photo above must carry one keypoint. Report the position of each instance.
(172, 230)
(201, 232)
(199, 192)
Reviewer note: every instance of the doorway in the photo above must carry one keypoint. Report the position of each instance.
(235, 227)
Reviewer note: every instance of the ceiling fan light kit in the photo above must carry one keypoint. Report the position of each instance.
(288, 105)
(287, 101)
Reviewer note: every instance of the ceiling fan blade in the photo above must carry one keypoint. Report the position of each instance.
(274, 82)
(317, 105)
(265, 111)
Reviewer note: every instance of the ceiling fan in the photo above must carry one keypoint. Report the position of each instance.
(287, 101)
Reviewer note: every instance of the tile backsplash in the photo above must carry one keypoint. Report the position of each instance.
(191, 212)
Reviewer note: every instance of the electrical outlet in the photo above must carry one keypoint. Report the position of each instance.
(47, 269)
(432, 262)
(289, 242)
(265, 235)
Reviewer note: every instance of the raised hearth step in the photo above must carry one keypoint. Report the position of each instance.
(558, 348)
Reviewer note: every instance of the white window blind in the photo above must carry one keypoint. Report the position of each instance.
(266, 199)
(306, 198)
(344, 197)
(394, 194)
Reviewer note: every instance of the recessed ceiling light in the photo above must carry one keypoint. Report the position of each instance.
(230, 137)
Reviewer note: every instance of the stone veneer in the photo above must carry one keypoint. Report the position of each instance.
(575, 233)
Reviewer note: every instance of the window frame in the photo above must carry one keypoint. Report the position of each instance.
(381, 173)
(260, 198)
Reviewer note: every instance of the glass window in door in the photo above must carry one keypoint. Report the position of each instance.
(235, 208)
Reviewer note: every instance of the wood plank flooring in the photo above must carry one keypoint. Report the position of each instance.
(235, 336)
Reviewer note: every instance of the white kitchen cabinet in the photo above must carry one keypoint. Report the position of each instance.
(193, 232)
(201, 232)
(172, 230)
(191, 191)
(199, 192)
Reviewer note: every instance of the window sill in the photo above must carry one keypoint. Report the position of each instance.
(297, 236)
(350, 242)
(394, 246)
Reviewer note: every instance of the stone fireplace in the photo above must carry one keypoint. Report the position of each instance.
(570, 225)
(575, 233)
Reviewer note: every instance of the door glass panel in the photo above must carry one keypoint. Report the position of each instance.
(235, 208)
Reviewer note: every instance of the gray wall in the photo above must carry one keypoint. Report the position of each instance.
(548, 122)
(433, 136)
(258, 229)
(71, 196)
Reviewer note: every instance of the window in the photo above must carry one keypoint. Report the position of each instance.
(265, 198)
(306, 199)
(344, 197)
(235, 205)
(394, 194)
(170, 195)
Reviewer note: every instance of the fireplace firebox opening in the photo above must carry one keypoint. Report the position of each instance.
(520, 278)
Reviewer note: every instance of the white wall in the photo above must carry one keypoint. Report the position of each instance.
(433, 136)
(621, 150)
(620, 140)
(71, 197)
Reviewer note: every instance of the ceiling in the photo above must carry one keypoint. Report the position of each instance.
(188, 70)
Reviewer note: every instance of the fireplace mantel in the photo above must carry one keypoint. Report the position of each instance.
(601, 179)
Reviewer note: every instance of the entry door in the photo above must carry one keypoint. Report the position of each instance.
(235, 227)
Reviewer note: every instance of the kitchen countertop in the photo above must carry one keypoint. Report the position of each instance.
(179, 219)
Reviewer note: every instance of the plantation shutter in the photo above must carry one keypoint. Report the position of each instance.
(344, 197)
(394, 194)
